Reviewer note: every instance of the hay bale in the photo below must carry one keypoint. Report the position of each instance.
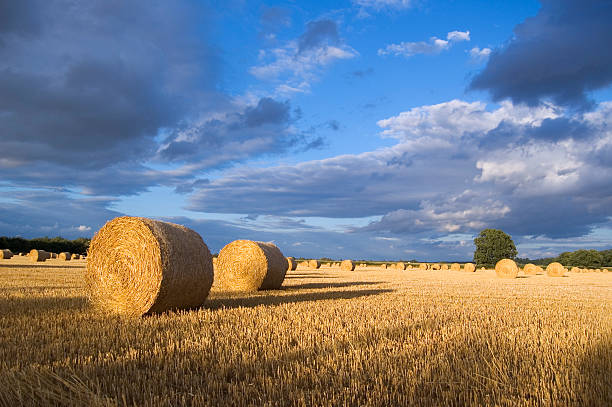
(555, 269)
(383, 266)
(444, 267)
(140, 266)
(75, 256)
(64, 256)
(435, 267)
(245, 265)
(39, 255)
(469, 267)
(347, 265)
(6, 254)
(530, 269)
(455, 267)
(291, 263)
(575, 270)
(400, 266)
(506, 268)
(314, 264)
(423, 266)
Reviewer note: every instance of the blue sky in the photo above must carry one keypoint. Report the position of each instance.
(381, 129)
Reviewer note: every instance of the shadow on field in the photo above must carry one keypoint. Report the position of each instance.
(596, 374)
(41, 266)
(310, 276)
(330, 285)
(249, 302)
(19, 306)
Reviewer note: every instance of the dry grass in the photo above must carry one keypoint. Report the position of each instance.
(327, 338)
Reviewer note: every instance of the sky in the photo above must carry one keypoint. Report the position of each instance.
(364, 129)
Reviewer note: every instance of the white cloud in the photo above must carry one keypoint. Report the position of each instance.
(83, 228)
(480, 55)
(435, 45)
(382, 4)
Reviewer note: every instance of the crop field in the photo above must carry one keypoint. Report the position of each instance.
(328, 337)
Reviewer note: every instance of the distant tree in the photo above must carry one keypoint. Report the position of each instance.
(493, 245)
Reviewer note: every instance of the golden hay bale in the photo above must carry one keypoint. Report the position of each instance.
(469, 267)
(39, 255)
(400, 266)
(555, 270)
(423, 266)
(6, 254)
(530, 269)
(506, 268)
(435, 267)
(138, 266)
(291, 263)
(75, 256)
(314, 264)
(455, 267)
(444, 267)
(383, 266)
(347, 265)
(575, 270)
(245, 265)
(483, 269)
(64, 256)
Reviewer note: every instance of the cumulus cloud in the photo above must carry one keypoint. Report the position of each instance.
(435, 45)
(480, 55)
(560, 54)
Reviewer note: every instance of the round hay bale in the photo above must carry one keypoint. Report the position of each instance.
(400, 266)
(469, 267)
(483, 269)
(39, 255)
(444, 267)
(6, 254)
(506, 268)
(435, 267)
(140, 266)
(64, 256)
(291, 263)
(530, 269)
(455, 267)
(76, 256)
(383, 266)
(347, 265)
(555, 269)
(245, 265)
(423, 266)
(575, 270)
(314, 264)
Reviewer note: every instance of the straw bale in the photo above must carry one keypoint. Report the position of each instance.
(469, 267)
(444, 267)
(347, 265)
(314, 264)
(39, 255)
(530, 269)
(76, 256)
(140, 266)
(555, 269)
(400, 266)
(245, 265)
(455, 267)
(6, 254)
(435, 267)
(291, 263)
(383, 266)
(64, 256)
(575, 270)
(506, 268)
(423, 266)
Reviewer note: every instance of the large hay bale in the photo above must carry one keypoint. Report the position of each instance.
(435, 267)
(455, 267)
(291, 263)
(64, 256)
(138, 266)
(469, 267)
(245, 265)
(6, 254)
(39, 255)
(530, 269)
(444, 267)
(314, 264)
(506, 268)
(555, 270)
(423, 266)
(400, 266)
(347, 265)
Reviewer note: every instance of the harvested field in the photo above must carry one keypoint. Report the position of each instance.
(328, 337)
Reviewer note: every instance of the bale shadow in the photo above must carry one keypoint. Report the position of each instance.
(329, 285)
(20, 306)
(251, 302)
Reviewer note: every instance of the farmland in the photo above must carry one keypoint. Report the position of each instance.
(328, 337)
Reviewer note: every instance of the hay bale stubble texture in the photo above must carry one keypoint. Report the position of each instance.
(39, 255)
(138, 266)
(555, 270)
(291, 263)
(347, 265)
(245, 265)
(506, 268)
(64, 256)
(469, 267)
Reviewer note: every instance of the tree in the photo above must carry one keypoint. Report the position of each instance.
(492, 245)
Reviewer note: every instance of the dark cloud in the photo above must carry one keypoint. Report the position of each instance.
(267, 111)
(318, 33)
(562, 53)
(19, 18)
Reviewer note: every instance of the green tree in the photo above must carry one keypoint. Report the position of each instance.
(492, 245)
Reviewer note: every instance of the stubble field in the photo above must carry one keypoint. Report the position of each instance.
(329, 337)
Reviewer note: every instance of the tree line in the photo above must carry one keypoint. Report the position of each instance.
(54, 245)
(578, 258)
